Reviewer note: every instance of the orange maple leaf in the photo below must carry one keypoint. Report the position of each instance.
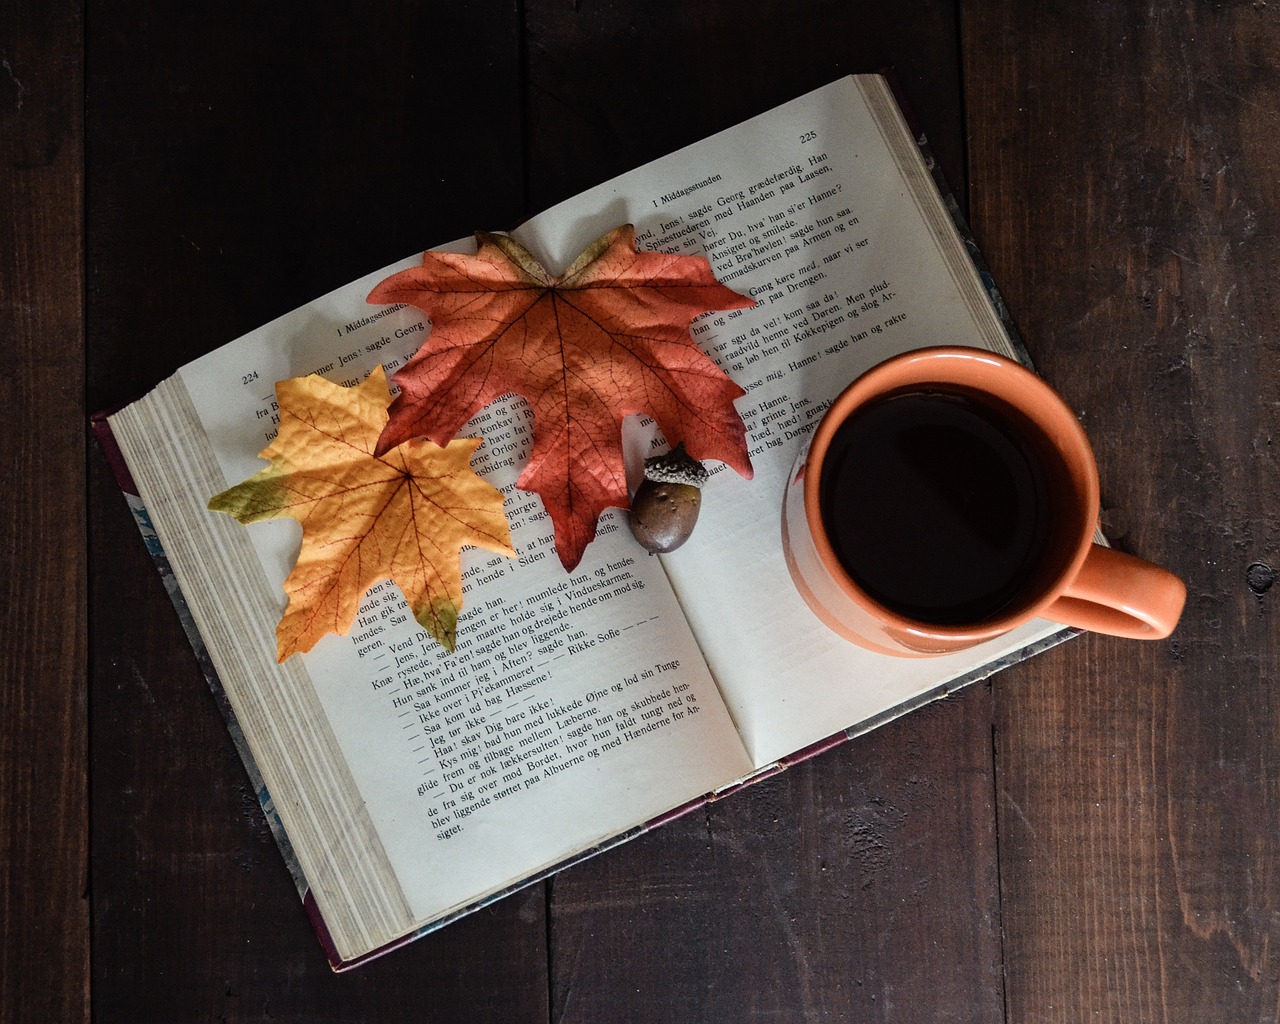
(403, 516)
(608, 338)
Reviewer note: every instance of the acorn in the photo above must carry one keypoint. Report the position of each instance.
(665, 506)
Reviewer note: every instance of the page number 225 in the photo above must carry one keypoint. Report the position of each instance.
(808, 137)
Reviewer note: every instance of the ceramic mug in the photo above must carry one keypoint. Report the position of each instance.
(1066, 578)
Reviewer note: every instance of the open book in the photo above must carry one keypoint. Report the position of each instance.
(409, 786)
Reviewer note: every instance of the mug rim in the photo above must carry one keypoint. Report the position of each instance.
(1023, 391)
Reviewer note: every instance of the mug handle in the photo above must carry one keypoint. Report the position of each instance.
(1121, 595)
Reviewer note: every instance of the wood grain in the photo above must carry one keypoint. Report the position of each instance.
(1123, 191)
(243, 160)
(44, 935)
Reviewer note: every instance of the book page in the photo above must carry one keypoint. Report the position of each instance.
(809, 210)
(576, 705)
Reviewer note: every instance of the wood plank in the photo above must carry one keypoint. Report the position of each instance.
(861, 884)
(242, 161)
(1123, 189)
(44, 927)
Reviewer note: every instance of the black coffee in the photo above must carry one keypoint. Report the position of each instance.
(935, 507)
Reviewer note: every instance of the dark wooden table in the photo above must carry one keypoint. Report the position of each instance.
(1090, 837)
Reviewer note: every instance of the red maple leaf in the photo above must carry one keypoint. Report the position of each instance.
(608, 338)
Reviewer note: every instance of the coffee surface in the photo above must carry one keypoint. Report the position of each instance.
(935, 507)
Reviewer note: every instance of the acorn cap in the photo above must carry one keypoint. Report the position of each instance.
(675, 467)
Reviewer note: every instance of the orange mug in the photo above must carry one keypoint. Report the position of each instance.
(948, 496)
